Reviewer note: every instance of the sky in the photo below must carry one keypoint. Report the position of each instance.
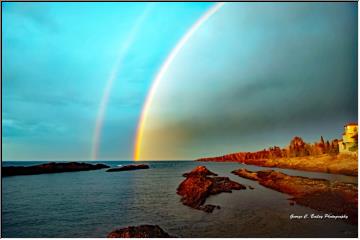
(251, 76)
(57, 59)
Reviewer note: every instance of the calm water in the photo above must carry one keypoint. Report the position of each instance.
(93, 203)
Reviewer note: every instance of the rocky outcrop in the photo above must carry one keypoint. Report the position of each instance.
(242, 172)
(51, 167)
(320, 194)
(129, 168)
(142, 231)
(200, 183)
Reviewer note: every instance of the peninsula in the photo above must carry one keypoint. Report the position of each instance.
(336, 156)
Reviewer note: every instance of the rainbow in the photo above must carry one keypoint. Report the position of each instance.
(160, 74)
(110, 82)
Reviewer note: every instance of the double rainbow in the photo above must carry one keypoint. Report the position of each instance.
(159, 76)
(115, 72)
(113, 75)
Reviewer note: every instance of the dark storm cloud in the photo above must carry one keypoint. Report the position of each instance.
(259, 74)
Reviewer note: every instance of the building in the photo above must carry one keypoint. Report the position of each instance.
(349, 142)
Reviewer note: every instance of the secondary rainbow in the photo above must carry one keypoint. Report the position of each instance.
(110, 82)
(160, 74)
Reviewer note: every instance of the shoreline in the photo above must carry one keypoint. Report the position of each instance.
(319, 194)
(344, 164)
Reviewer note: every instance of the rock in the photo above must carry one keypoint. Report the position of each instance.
(319, 194)
(242, 172)
(142, 231)
(209, 208)
(251, 187)
(200, 183)
(129, 167)
(51, 167)
(224, 184)
(200, 170)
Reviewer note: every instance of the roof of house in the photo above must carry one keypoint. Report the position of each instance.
(351, 124)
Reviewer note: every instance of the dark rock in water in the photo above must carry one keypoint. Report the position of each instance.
(251, 187)
(331, 197)
(51, 167)
(129, 168)
(209, 208)
(199, 185)
(142, 231)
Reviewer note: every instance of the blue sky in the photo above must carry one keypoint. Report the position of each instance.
(57, 58)
(254, 75)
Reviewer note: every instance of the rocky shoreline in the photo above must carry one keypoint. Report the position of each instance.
(51, 167)
(322, 156)
(337, 164)
(319, 194)
(200, 183)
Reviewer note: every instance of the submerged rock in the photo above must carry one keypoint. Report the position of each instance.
(51, 167)
(129, 168)
(200, 183)
(242, 172)
(319, 194)
(142, 231)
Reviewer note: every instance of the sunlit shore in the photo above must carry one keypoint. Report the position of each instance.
(345, 164)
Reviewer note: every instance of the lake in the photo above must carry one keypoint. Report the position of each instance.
(94, 203)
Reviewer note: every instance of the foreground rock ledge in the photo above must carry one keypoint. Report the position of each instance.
(331, 197)
(129, 168)
(200, 183)
(142, 231)
(51, 167)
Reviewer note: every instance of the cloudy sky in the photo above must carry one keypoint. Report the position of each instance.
(256, 75)
(253, 75)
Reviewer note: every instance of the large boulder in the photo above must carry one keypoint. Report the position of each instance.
(200, 183)
(142, 231)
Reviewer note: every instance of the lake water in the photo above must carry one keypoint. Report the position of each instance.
(93, 203)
